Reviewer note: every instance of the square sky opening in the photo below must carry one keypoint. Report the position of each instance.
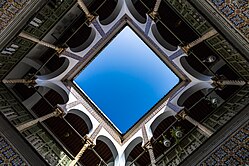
(126, 79)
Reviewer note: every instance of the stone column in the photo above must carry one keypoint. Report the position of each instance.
(82, 5)
(149, 147)
(18, 81)
(207, 131)
(199, 40)
(154, 12)
(31, 38)
(231, 82)
(56, 113)
(87, 144)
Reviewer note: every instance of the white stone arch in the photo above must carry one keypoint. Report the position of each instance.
(160, 118)
(131, 146)
(161, 40)
(86, 43)
(114, 13)
(192, 71)
(35, 64)
(54, 86)
(41, 79)
(111, 146)
(187, 91)
(157, 44)
(218, 65)
(34, 98)
(96, 38)
(56, 73)
(134, 11)
(148, 124)
(191, 90)
(81, 108)
(83, 116)
(213, 94)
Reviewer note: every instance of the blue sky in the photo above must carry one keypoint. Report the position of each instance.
(126, 79)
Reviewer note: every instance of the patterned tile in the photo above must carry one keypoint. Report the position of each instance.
(241, 136)
(230, 144)
(235, 151)
(237, 20)
(220, 153)
(232, 161)
(8, 154)
(243, 153)
(236, 11)
(227, 11)
(3, 143)
(211, 161)
(9, 9)
(17, 161)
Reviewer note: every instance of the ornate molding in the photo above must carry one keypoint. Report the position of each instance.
(9, 10)
(236, 12)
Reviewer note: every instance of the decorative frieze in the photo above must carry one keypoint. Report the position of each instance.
(236, 12)
(9, 155)
(9, 10)
(234, 151)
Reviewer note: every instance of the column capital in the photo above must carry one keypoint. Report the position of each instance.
(185, 48)
(181, 115)
(88, 142)
(148, 145)
(90, 18)
(154, 16)
(216, 82)
(60, 49)
(59, 112)
(217, 85)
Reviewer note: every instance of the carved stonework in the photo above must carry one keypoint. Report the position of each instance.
(9, 9)
(236, 12)
(9, 155)
(235, 151)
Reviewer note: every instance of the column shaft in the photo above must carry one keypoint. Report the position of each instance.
(200, 126)
(154, 13)
(87, 144)
(231, 82)
(82, 5)
(200, 39)
(156, 7)
(149, 147)
(16, 81)
(35, 121)
(31, 38)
